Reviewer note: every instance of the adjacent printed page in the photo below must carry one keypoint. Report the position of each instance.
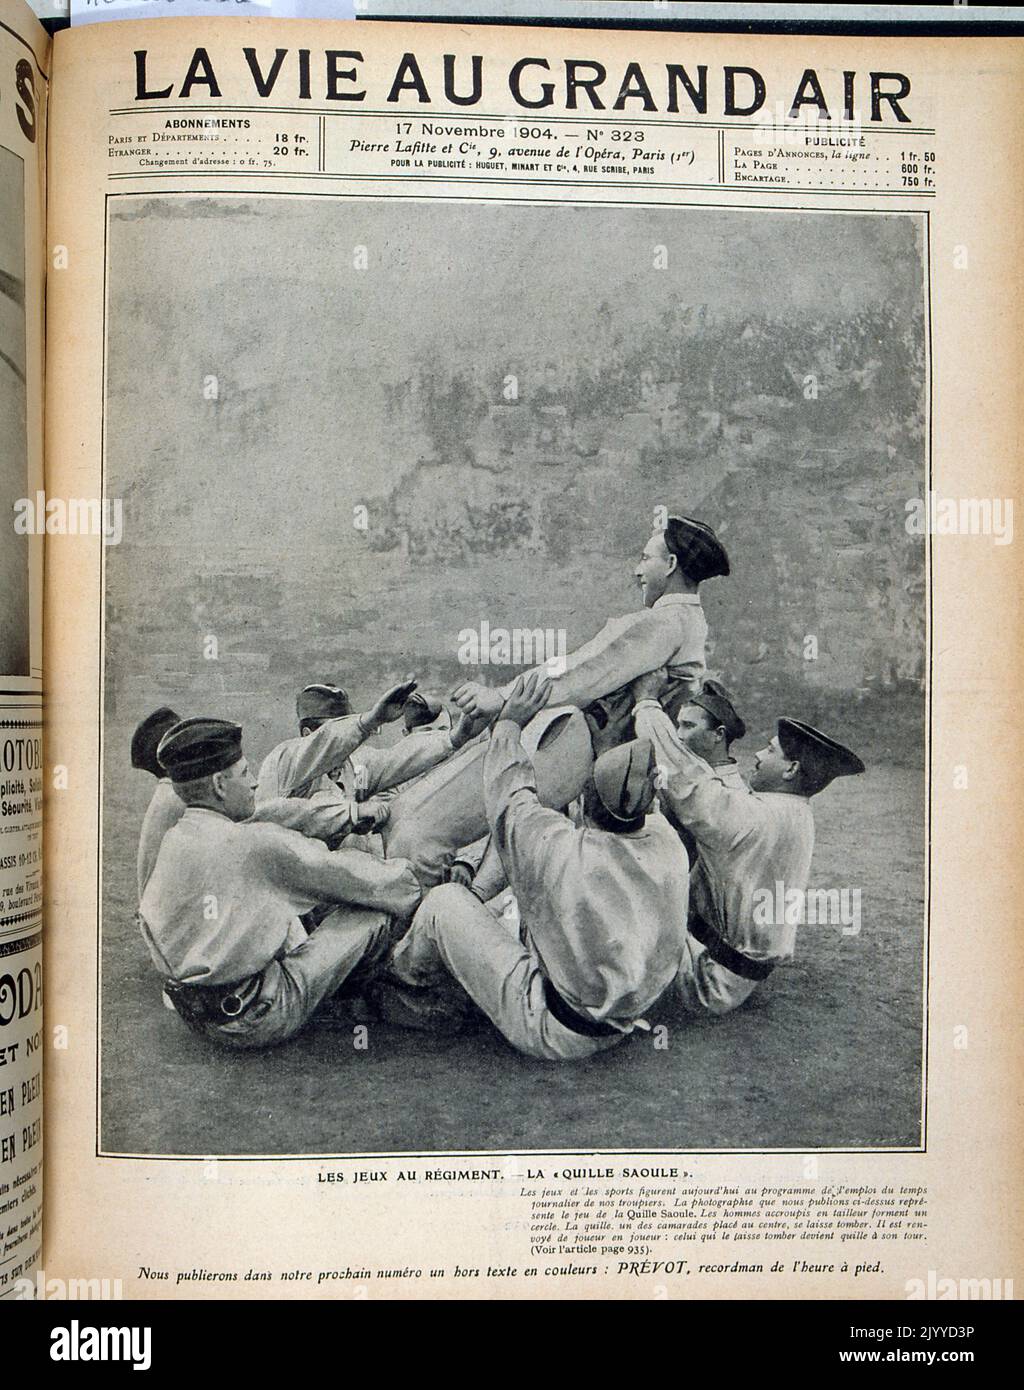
(387, 349)
(24, 68)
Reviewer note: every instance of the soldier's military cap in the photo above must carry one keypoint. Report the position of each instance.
(624, 779)
(322, 702)
(718, 702)
(147, 736)
(198, 748)
(821, 758)
(420, 709)
(700, 553)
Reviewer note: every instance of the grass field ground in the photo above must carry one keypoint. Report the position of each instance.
(827, 1054)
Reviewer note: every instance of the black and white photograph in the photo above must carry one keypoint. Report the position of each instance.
(514, 676)
(14, 553)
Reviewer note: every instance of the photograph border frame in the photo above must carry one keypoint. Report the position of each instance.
(924, 215)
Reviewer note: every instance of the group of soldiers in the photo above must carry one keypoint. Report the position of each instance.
(558, 854)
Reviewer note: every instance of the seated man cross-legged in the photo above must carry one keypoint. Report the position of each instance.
(220, 910)
(603, 906)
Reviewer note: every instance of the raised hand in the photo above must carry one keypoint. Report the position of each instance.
(650, 685)
(478, 700)
(528, 697)
(391, 703)
(467, 726)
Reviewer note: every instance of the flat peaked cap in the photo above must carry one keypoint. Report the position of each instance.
(821, 757)
(147, 737)
(420, 709)
(700, 553)
(624, 780)
(718, 702)
(199, 747)
(322, 702)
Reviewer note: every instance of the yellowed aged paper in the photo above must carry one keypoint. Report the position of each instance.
(24, 68)
(384, 348)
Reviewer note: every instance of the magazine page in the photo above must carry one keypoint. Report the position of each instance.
(537, 702)
(24, 67)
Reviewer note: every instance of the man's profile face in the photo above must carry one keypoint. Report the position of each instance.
(237, 788)
(654, 568)
(770, 768)
(696, 729)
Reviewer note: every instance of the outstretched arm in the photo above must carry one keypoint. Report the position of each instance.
(524, 832)
(389, 767)
(309, 868)
(323, 816)
(719, 816)
(300, 761)
(624, 649)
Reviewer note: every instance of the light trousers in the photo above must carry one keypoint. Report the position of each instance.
(453, 931)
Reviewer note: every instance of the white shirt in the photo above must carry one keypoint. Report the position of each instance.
(747, 840)
(224, 897)
(672, 633)
(322, 766)
(606, 913)
(165, 809)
